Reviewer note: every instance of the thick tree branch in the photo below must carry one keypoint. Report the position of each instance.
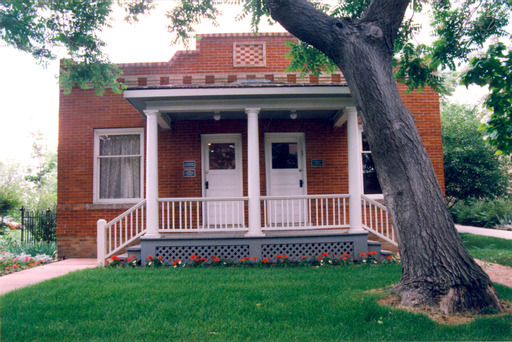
(304, 21)
(387, 15)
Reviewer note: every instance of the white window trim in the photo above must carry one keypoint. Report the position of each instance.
(96, 164)
(360, 144)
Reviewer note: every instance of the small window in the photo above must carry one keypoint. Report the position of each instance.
(118, 165)
(371, 184)
(284, 155)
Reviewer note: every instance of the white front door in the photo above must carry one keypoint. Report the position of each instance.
(286, 176)
(222, 177)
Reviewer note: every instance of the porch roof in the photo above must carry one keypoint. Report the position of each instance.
(275, 100)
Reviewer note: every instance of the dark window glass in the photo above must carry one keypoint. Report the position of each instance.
(222, 156)
(284, 156)
(370, 181)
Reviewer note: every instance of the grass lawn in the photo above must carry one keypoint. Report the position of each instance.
(489, 249)
(227, 304)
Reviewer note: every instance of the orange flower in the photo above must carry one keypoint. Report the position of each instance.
(304, 257)
(246, 258)
(265, 260)
(174, 263)
(160, 257)
(362, 255)
(374, 252)
(193, 257)
(325, 254)
(278, 256)
(150, 257)
(319, 258)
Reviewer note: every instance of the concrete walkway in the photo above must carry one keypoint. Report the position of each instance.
(37, 274)
(502, 234)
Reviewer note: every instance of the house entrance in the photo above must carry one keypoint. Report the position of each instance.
(286, 176)
(222, 178)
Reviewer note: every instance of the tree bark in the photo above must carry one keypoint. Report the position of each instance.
(437, 269)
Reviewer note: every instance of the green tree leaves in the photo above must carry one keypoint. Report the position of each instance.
(471, 168)
(494, 69)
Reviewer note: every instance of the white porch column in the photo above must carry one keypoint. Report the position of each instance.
(253, 172)
(152, 173)
(354, 171)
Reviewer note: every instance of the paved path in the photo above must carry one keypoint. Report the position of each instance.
(502, 234)
(35, 275)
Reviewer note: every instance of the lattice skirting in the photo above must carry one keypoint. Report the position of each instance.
(235, 249)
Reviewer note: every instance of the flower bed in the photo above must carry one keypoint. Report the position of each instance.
(10, 263)
(279, 260)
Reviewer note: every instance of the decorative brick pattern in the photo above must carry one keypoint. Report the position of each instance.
(249, 55)
(298, 250)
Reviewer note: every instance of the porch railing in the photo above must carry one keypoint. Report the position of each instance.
(121, 231)
(305, 212)
(200, 214)
(376, 219)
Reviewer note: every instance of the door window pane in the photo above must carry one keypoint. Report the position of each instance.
(221, 156)
(284, 156)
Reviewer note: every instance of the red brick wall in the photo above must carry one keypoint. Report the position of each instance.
(82, 111)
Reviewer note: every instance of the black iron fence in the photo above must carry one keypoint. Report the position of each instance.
(38, 225)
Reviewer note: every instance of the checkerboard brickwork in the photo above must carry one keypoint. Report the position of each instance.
(249, 55)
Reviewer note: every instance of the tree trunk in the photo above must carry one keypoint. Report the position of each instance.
(437, 269)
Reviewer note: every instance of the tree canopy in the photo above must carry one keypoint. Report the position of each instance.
(471, 168)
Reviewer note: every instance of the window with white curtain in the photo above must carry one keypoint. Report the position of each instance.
(118, 165)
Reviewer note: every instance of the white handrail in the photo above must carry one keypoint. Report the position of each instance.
(376, 219)
(201, 214)
(120, 232)
(305, 212)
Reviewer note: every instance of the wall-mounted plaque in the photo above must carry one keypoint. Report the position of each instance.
(317, 162)
(189, 164)
(189, 173)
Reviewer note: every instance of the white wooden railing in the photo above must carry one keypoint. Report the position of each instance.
(202, 214)
(120, 232)
(305, 212)
(376, 219)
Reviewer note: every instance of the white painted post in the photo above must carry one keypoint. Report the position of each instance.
(152, 173)
(253, 172)
(101, 247)
(354, 171)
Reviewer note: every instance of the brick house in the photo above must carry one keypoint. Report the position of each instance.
(220, 151)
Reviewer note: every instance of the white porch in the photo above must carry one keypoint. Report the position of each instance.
(254, 215)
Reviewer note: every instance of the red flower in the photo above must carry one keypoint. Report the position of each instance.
(319, 258)
(242, 260)
(178, 260)
(325, 254)
(389, 257)
(174, 263)
(160, 257)
(255, 258)
(204, 259)
(150, 257)
(265, 260)
(193, 257)
(216, 259)
(369, 253)
(362, 255)
(346, 255)
(278, 256)
(128, 259)
(374, 252)
(246, 258)
(345, 259)
(285, 256)
(304, 257)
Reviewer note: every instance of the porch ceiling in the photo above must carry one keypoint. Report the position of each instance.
(321, 101)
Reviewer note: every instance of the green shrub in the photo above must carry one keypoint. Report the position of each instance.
(488, 214)
(14, 246)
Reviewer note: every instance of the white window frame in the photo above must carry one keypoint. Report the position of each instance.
(360, 144)
(96, 174)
